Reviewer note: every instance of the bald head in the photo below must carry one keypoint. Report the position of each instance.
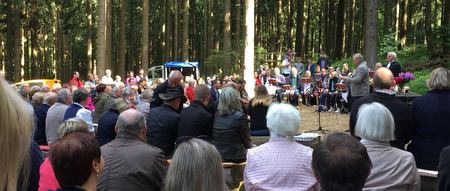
(383, 79)
(175, 77)
(131, 121)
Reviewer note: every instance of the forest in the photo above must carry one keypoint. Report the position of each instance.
(52, 38)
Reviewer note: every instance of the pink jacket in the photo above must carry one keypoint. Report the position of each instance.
(47, 180)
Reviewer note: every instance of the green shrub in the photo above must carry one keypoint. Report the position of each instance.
(418, 85)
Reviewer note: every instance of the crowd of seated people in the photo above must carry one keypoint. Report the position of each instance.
(216, 125)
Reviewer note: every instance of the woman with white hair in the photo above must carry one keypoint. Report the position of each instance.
(392, 168)
(281, 163)
(431, 120)
(231, 132)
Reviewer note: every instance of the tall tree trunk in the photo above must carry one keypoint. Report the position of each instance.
(307, 33)
(428, 29)
(227, 37)
(109, 38)
(445, 12)
(185, 50)
(145, 18)
(387, 16)
(102, 37)
(175, 31)
(339, 29)
(299, 37)
(249, 56)
(89, 46)
(122, 39)
(13, 40)
(349, 28)
(237, 24)
(371, 37)
(403, 23)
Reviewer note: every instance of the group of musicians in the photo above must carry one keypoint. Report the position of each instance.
(309, 84)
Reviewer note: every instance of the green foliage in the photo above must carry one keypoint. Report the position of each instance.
(218, 57)
(387, 44)
(260, 53)
(418, 85)
(413, 58)
(442, 37)
(338, 63)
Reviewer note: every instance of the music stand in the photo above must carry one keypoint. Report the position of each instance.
(319, 129)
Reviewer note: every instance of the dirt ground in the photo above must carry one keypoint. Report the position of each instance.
(328, 120)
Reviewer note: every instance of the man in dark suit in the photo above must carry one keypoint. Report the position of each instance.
(79, 97)
(392, 64)
(41, 115)
(443, 178)
(214, 97)
(383, 82)
(163, 121)
(195, 120)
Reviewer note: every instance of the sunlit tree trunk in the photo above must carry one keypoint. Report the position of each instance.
(13, 41)
(122, 39)
(428, 29)
(227, 36)
(249, 55)
(90, 63)
(185, 47)
(371, 33)
(101, 37)
(145, 18)
(403, 23)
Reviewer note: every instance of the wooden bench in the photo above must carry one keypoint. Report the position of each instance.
(427, 179)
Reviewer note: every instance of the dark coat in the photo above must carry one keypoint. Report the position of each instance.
(36, 160)
(431, 114)
(395, 68)
(400, 111)
(72, 111)
(195, 121)
(443, 179)
(131, 164)
(106, 126)
(162, 128)
(232, 136)
(41, 115)
(213, 101)
(100, 105)
(161, 88)
(257, 116)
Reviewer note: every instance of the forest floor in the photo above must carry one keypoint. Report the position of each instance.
(328, 120)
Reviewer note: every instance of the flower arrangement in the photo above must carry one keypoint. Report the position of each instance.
(403, 78)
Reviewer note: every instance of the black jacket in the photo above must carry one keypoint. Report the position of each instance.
(195, 121)
(400, 111)
(162, 126)
(106, 126)
(41, 115)
(443, 179)
(161, 88)
(431, 113)
(232, 136)
(257, 116)
(395, 68)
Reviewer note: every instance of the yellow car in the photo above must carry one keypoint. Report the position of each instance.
(39, 82)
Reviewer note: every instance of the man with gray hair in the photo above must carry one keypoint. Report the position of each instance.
(131, 164)
(383, 83)
(359, 81)
(392, 63)
(173, 82)
(41, 114)
(195, 120)
(144, 105)
(116, 92)
(55, 115)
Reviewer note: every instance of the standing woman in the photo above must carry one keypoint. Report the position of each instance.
(257, 110)
(230, 130)
(18, 159)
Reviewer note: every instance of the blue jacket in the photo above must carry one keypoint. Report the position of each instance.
(431, 114)
(106, 126)
(72, 111)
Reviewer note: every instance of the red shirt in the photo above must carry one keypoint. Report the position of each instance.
(190, 94)
(76, 81)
